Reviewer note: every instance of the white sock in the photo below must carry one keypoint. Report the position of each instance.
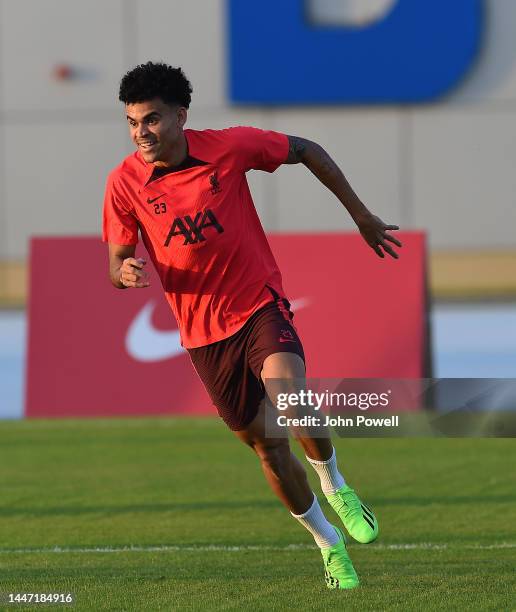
(331, 478)
(314, 520)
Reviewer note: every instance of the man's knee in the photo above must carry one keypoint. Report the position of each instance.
(274, 455)
(283, 366)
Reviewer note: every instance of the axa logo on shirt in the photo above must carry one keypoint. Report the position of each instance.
(416, 51)
(192, 229)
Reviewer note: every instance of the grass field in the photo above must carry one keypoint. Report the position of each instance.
(173, 514)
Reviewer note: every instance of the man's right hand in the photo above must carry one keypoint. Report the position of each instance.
(132, 273)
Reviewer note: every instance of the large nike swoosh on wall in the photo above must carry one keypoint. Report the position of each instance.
(144, 342)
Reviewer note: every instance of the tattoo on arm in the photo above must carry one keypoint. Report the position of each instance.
(312, 155)
(317, 160)
(297, 149)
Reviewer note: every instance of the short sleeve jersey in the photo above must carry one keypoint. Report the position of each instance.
(201, 230)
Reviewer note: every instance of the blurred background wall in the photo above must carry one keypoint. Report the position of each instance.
(445, 167)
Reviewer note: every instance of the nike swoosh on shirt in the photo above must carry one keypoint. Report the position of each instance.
(144, 342)
(149, 201)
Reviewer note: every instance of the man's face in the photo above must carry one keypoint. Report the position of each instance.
(155, 128)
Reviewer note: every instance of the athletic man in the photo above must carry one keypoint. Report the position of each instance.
(186, 192)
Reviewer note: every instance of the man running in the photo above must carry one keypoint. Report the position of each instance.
(186, 192)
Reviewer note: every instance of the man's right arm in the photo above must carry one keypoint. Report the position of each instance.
(124, 270)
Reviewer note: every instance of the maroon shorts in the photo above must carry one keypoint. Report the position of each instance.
(230, 369)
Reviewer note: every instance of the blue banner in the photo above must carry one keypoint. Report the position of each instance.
(417, 52)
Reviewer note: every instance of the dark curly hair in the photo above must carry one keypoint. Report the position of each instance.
(155, 80)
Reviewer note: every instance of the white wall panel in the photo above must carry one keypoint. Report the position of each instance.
(55, 185)
(36, 35)
(365, 144)
(493, 76)
(464, 177)
(4, 252)
(191, 35)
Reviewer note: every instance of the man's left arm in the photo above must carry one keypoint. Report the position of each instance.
(314, 157)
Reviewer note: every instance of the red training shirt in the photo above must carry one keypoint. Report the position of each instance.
(200, 228)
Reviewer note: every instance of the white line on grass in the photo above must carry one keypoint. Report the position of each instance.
(219, 548)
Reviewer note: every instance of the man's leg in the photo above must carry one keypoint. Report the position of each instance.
(285, 373)
(287, 479)
(284, 473)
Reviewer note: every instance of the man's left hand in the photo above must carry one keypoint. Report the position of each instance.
(374, 232)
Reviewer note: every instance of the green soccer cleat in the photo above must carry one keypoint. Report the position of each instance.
(339, 572)
(358, 518)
